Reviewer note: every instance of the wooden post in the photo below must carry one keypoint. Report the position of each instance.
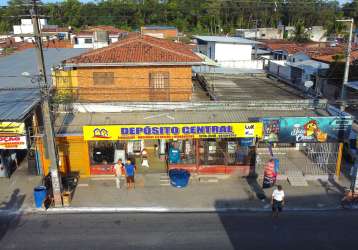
(339, 160)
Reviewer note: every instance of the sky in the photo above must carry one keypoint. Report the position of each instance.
(3, 2)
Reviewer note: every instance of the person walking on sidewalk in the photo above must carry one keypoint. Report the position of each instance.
(118, 168)
(277, 201)
(130, 170)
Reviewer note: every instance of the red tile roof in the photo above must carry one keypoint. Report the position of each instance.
(58, 29)
(139, 49)
(329, 58)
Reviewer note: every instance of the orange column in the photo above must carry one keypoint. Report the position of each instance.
(339, 160)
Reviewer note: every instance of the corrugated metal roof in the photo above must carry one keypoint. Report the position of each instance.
(14, 65)
(353, 85)
(311, 63)
(158, 27)
(73, 123)
(226, 39)
(16, 104)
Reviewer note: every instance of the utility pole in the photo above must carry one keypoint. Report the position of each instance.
(49, 142)
(346, 68)
(256, 24)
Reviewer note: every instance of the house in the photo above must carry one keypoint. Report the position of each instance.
(22, 32)
(160, 31)
(262, 33)
(60, 32)
(136, 68)
(97, 37)
(232, 52)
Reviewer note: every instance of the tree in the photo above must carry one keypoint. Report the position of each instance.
(301, 35)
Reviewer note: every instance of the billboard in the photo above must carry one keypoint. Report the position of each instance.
(307, 129)
(173, 131)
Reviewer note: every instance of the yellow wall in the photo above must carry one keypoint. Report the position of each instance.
(73, 155)
(130, 83)
(65, 81)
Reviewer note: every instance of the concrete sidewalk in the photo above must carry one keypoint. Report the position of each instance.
(235, 193)
(16, 193)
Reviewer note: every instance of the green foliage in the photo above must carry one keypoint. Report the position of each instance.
(301, 35)
(192, 16)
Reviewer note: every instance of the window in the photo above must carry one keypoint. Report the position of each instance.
(186, 150)
(223, 152)
(159, 80)
(159, 86)
(88, 40)
(103, 78)
(104, 152)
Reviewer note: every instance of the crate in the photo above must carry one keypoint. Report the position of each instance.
(66, 198)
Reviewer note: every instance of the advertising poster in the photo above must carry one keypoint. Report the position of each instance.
(173, 131)
(314, 129)
(306, 129)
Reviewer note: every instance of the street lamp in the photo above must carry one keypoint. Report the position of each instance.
(346, 68)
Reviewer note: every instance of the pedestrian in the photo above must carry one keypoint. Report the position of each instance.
(145, 158)
(129, 170)
(277, 201)
(118, 168)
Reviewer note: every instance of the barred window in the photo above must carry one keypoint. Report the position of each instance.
(159, 80)
(103, 78)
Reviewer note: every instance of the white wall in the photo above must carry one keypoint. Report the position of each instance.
(26, 27)
(81, 43)
(225, 52)
(243, 64)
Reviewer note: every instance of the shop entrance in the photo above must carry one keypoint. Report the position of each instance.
(144, 153)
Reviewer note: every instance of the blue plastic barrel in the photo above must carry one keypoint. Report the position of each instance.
(39, 195)
(179, 178)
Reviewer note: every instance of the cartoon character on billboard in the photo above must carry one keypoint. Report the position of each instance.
(312, 130)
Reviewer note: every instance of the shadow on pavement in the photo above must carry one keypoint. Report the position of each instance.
(256, 187)
(9, 221)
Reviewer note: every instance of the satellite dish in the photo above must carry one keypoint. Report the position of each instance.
(308, 84)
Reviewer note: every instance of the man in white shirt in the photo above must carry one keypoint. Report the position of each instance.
(277, 200)
(118, 167)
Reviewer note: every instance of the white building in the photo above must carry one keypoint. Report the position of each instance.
(23, 30)
(318, 34)
(232, 52)
(95, 38)
(262, 33)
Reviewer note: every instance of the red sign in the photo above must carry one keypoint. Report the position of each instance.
(13, 142)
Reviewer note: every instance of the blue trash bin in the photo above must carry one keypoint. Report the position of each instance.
(39, 195)
(179, 178)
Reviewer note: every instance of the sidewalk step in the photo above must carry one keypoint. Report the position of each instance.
(164, 180)
(208, 179)
(296, 179)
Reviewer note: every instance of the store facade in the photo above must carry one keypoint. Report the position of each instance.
(204, 148)
(13, 142)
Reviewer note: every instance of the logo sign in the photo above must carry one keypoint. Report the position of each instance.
(11, 128)
(13, 142)
(173, 131)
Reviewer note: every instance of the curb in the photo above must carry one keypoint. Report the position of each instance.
(77, 210)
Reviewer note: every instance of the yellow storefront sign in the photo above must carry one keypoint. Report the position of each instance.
(11, 128)
(173, 131)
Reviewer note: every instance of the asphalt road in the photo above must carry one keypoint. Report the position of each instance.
(304, 231)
